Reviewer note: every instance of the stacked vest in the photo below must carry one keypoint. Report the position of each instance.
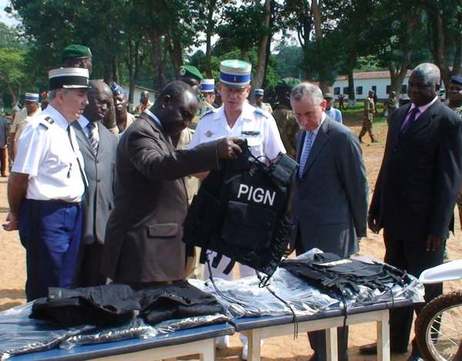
(338, 276)
(240, 211)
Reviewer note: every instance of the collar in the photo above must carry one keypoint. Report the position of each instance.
(315, 131)
(423, 108)
(83, 121)
(56, 116)
(154, 118)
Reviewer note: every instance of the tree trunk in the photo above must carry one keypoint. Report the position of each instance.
(351, 88)
(262, 59)
(209, 32)
(157, 59)
(175, 49)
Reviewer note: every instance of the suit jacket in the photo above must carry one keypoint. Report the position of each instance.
(330, 200)
(420, 175)
(98, 199)
(145, 230)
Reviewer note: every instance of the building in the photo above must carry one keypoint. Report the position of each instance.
(378, 81)
(137, 95)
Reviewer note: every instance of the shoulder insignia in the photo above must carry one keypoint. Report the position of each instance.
(46, 122)
(210, 111)
(208, 133)
(261, 112)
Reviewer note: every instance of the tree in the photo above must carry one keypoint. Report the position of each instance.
(12, 72)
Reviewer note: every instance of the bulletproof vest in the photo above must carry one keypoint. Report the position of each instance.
(114, 304)
(101, 305)
(179, 300)
(241, 211)
(339, 276)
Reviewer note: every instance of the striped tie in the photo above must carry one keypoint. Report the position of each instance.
(93, 137)
(309, 137)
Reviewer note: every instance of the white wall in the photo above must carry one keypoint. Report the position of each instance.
(366, 84)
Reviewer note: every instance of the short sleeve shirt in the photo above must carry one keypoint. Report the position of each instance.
(255, 125)
(46, 154)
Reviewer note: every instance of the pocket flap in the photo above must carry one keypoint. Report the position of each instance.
(163, 230)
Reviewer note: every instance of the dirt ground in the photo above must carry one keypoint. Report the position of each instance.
(12, 275)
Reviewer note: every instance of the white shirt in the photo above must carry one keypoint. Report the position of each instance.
(255, 125)
(315, 132)
(83, 121)
(46, 155)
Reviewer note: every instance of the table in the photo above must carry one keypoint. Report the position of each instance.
(258, 328)
(199, 340)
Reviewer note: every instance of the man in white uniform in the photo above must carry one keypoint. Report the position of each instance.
(46, 186)
(237, 118)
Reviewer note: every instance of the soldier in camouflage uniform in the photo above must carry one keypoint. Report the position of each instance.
(369, 111)
(455, 103)
(285, 119)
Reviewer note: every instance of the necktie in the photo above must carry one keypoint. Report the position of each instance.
(309, 137)
(82, 173)
(410, 119)
(93, 137)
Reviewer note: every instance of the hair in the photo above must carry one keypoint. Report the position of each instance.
(429, 72)
(173, 90)
(308, 90)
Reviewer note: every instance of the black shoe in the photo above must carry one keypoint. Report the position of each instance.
(371, 349)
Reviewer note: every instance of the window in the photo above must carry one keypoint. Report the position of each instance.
(374, 89)
(388, 89)
(337, 90)
(404, 89)
(359, 90)
(346, 90)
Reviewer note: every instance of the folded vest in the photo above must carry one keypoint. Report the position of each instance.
(240, 211)
(333, 274)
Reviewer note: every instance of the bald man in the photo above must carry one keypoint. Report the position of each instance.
(416, 190)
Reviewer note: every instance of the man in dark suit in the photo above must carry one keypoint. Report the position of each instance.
(330, 197)
(98, 146)
(416, 190)
(144, 234)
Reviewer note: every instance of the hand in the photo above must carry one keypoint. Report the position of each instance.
(12, 222)
(228, 148)
(373, 224)
(434, 243)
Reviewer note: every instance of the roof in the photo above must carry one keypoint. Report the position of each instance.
(383, 74)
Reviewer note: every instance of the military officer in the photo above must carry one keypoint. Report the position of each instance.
(32, 107)
(47, 183)
(207, 87)
(123, 118)
(237, 118)
(259, 93)
(78, 56)
(192, 76)
(369, 111)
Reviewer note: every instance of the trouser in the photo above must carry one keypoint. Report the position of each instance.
(318, 344)
(366, 128)
(413, 258)
(50, 232)
(4, 168)
(89, 270)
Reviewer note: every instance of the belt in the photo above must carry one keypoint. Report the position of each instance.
(57, 201)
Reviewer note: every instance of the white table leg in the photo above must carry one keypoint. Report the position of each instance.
(383, 337)
(331, 344)
(254, 345)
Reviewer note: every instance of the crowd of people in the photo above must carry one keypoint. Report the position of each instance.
(100, 195)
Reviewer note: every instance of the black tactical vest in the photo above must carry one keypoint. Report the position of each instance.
(240, 211)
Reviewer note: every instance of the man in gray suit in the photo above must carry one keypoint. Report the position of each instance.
(330, 197)
(98, 146)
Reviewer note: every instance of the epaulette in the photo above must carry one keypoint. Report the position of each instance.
(210, 111)
(261, 112)
(46, 122)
